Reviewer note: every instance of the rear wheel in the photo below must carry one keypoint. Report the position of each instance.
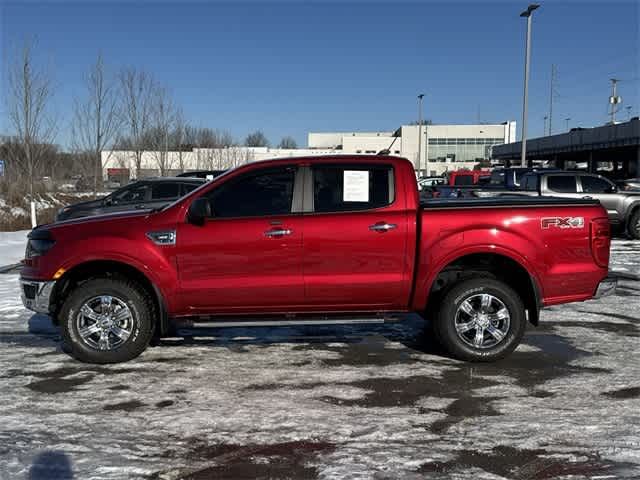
(107, 320)
(480, 320)
(634, 225)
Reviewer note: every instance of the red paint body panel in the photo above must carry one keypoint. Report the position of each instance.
(474, 176)
(331, 262)
(559, 260)
(228, 265)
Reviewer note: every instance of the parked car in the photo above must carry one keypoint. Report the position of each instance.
(623, 206)
(144, 194)
(431, 181)
(317, 239)
(629, 184)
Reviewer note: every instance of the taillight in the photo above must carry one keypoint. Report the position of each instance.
(600, 241)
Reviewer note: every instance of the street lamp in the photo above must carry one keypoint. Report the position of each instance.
(567, 120)
(544, 132)
(527, 14)
(420, 97)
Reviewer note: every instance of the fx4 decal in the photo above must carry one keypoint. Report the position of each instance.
(562, 222)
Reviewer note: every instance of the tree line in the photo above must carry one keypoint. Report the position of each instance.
(127, 109)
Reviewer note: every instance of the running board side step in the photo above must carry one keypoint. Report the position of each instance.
(284, 323)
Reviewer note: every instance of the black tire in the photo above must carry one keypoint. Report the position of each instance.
(445, 322)
(140, 307)
(634, 225)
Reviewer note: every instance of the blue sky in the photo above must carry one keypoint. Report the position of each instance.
(292, 67)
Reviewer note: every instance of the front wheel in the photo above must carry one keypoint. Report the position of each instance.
(481, 320)
(107, 320)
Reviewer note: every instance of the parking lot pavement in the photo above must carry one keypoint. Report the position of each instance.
(329, 402)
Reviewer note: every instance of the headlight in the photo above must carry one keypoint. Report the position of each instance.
(40, 242)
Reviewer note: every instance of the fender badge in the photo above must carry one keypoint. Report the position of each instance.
(562, 222)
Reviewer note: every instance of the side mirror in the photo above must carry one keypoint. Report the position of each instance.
(612, 189)
(199, 211)
(108, 201)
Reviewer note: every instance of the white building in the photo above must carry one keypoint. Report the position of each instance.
(443, 148)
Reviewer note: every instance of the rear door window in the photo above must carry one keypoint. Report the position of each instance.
(562, 183)
(595, 185)
(351, 188)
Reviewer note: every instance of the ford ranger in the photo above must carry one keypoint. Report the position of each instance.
(323, 239)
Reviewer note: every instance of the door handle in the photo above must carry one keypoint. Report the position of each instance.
(277, 232)
(587, 197)
(382, 227)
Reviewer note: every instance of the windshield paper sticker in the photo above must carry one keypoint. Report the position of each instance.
(356, 186)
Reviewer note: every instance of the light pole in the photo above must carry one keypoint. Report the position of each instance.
(544, 132)
(420, 97)
(567, 124)
(527, 14)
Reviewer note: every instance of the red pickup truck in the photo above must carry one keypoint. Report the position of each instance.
(327, 239)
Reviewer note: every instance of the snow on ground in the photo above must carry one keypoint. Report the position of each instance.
(329, 402)
(12, 246)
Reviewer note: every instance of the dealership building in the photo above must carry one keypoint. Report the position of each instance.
(442, 148)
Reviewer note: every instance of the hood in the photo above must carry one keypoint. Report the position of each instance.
(102, 218)
(88, 204)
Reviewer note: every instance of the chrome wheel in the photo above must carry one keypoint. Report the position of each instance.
(104, 322)
(482, 321)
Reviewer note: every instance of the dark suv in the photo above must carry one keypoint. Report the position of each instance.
(144, 194)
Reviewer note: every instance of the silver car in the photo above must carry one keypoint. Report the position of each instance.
(623, 206)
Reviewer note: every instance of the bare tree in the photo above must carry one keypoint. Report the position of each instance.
(96, 118)
(28, 101)
(137, 89)
(287, 142)
(256, 139)
(179, 137)
(163, 118)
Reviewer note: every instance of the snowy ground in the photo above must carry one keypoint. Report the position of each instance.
(352, 402)
(12, 246)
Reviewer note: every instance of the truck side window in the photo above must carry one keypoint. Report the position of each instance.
(349, 188)
(497, 177)
(562, 183)
(162, 190)
(530, 182)
(256, 194)
(595, 185)
(463, 180)
(188, 187)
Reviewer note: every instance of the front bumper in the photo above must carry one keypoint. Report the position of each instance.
(607, 287)
(36, 295)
